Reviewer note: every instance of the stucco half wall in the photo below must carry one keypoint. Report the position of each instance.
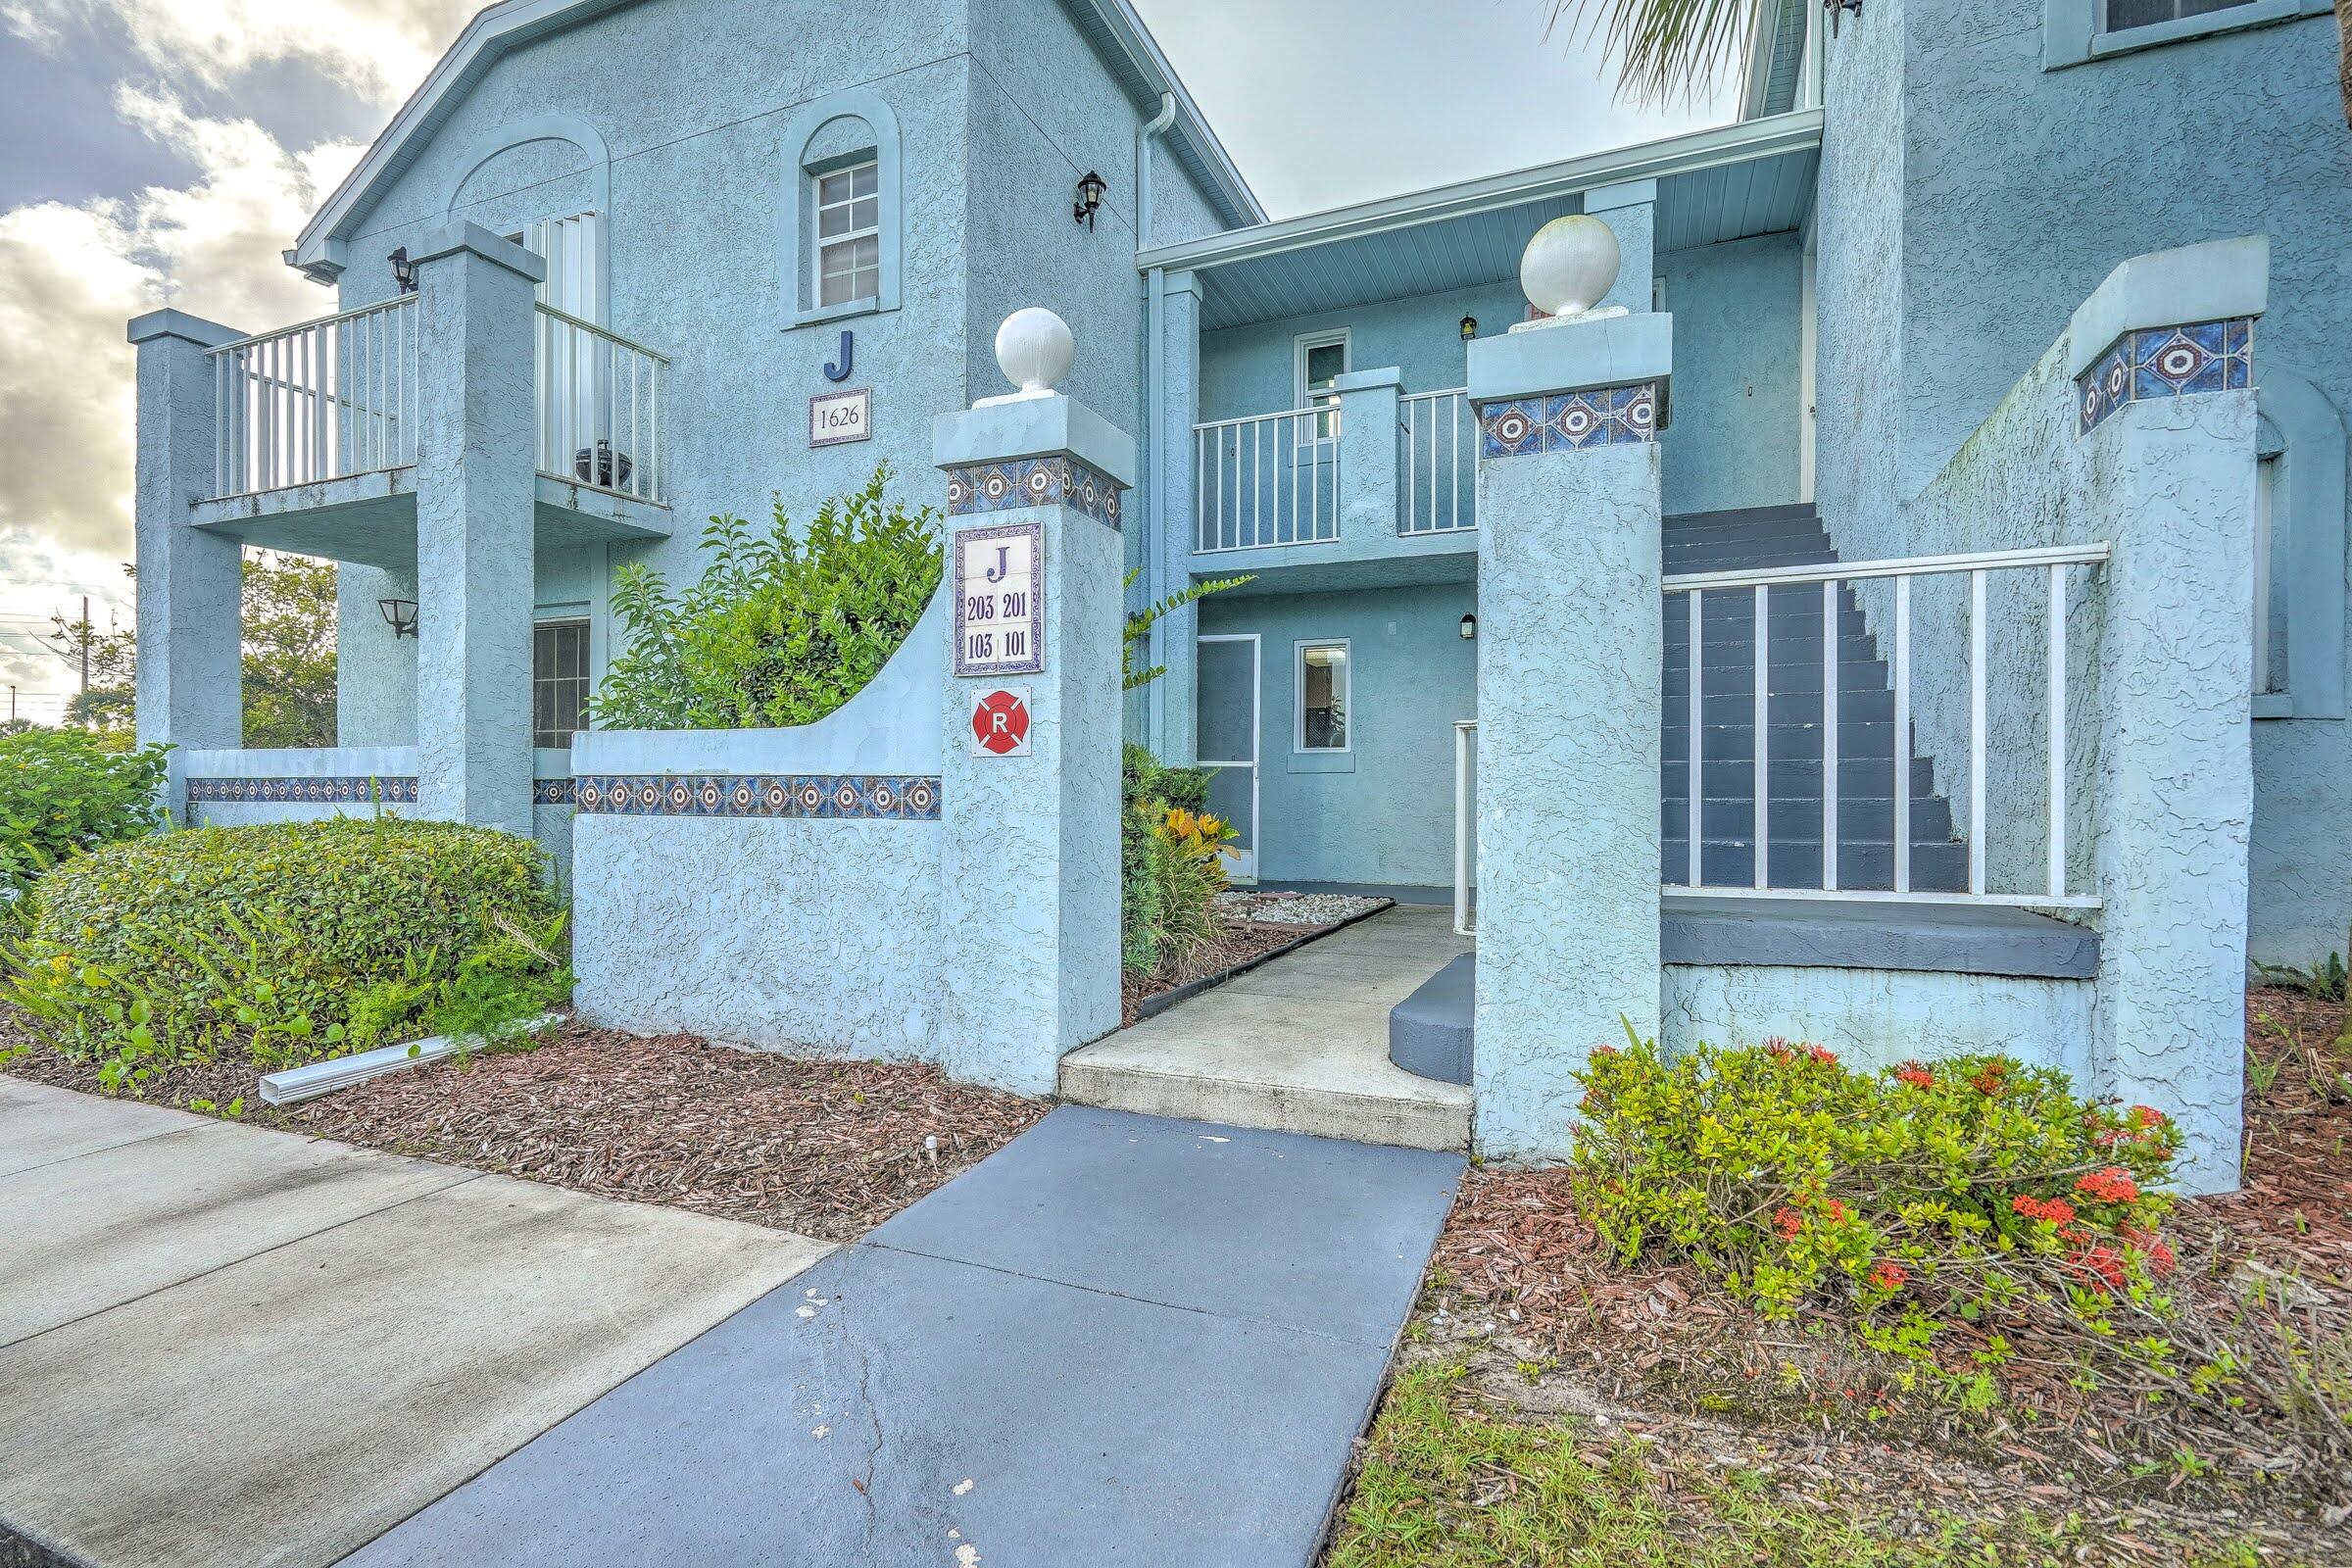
(749, 914)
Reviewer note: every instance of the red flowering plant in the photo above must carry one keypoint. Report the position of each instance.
(1972, 1187)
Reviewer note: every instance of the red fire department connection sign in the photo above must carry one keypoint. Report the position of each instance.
(1001, 722)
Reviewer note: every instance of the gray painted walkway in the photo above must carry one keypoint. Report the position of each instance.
(1119, 1340)
(220, 1344)
(1300, 1043)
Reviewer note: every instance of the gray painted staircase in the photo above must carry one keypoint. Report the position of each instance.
(1750, 540)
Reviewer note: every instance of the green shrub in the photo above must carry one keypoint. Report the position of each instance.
(1144, 777)
(782, 629)
(1794, 1177)
(291, 939)
(63, 791)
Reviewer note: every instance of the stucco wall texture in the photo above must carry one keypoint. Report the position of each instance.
(1969, 200)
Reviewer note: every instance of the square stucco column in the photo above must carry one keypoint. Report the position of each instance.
(1570, 642)
(474, 501)
(1029, 873)
(1172, 494)
(191, 692)
(1631, 212)
(1368, 454)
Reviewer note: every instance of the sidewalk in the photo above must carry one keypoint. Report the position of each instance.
(1120, 1340)
(222, 1345)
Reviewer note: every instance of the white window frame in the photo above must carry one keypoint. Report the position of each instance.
(2075, 32)
(1299, 652)
(819, 242)
(1344, 338)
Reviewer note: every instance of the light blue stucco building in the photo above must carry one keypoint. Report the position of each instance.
(576, 317)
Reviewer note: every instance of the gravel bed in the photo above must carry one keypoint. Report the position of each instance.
(1295, 909)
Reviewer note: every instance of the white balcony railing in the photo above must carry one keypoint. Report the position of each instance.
(1268, 479)
(325, 400)
(1441, 463)
(2016, 835)
(600, 408)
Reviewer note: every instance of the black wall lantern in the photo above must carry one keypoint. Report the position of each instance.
(1469, 327)
(1469, 628)
(1837, 10)
(404, 271)
(1090, 197)
(400, 614)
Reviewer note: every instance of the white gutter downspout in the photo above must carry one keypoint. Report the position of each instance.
(1155, 401)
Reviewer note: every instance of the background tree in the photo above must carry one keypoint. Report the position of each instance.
(289, 661)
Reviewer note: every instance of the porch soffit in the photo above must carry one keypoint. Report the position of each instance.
(1725, 184)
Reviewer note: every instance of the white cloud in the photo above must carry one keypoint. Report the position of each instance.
(72, 276)
(377, 48)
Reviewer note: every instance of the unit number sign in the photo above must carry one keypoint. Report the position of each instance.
(1001, 600)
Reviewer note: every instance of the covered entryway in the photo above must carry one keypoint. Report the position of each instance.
(1299, 1044)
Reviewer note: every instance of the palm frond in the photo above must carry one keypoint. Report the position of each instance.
(1664, 47)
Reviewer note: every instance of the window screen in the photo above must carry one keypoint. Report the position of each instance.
(849, 235)
(559, 681)
(2125, 15)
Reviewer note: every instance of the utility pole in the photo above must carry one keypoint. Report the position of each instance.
(85, 645)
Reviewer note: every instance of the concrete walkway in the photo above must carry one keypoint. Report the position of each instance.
(1120, 1340)
(220, 1344)
(1299, 1044)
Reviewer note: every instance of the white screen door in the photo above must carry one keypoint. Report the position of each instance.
(1227, 710)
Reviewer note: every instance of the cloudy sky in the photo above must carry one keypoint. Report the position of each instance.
(159, 151)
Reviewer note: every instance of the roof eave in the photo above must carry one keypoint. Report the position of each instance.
(1738, 142)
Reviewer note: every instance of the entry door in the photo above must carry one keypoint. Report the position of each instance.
(574, 373)
(1226, 698)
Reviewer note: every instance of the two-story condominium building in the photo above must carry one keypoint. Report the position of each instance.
(620, 265)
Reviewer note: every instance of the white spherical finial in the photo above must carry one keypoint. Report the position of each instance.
(1034, 348)
(1570, 266)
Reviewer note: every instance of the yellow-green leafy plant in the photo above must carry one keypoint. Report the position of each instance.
(284, 941)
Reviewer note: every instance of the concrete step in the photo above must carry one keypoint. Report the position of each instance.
(1784, 677)
(1796, 778)
(1935, 868)
(1798, 707)
(1793, 742)
(1860, 819)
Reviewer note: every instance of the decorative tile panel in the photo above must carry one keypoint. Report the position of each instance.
(2166, 362)
(318, 790)
(551, 792)
(820, 797)
(1059, 481)
(1569, 422)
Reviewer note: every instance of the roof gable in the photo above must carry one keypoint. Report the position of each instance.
(1112, 25)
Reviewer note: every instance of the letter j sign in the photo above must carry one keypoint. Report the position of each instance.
(1001, 722)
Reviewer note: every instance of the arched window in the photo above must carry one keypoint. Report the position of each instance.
(2300, 566)
(841, 229)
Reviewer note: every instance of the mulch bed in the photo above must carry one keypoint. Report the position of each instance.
(1244, 941)
(1552, 1325)
(828, 1148)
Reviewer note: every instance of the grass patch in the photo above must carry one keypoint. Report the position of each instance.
(1446, 1485)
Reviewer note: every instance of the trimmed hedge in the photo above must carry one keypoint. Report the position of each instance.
(272, 933)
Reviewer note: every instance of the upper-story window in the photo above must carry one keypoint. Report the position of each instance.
(2125, 15)
(1319, 360)
(842, 234)
(2076, 31)
(849, 234)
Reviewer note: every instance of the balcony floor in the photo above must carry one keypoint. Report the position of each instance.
(371, 517)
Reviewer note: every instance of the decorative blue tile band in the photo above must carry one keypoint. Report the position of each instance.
(827, 797)
(356, 790)
(1569, 422)
(551, 792)
(2166, 362)
(1034, 482)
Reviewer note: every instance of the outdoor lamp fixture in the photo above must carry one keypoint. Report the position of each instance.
(400, 614)
(1837, 10)
(1469, 327)
(1469, 628)
(404, 271)
(1090, 197)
